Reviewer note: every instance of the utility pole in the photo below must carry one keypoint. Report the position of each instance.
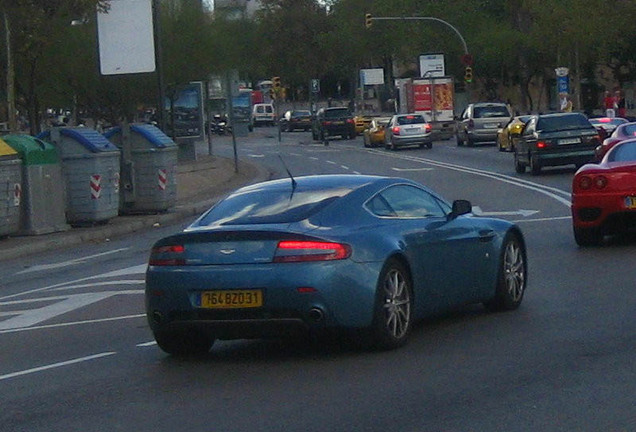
(13, 127)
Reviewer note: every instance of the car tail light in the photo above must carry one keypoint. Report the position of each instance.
(167, 256)
(395, 130)
(326, 123)
(427, 127)
(588, 182)
(350, 121)
(542, 144)
(303, 251)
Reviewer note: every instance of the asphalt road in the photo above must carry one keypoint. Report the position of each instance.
(77, 354)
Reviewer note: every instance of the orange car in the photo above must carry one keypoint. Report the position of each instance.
(362, 123)
(374, 135)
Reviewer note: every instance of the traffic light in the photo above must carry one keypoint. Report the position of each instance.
(368, 19)
(468, 74)
(276, 83)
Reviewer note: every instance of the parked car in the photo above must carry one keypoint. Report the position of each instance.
(622, 132)
(555, 139)
(374, 135)
(509, 134)
(333, 121)
(604, 195)
(359, 253)
(606, 125)
(480, 122)
(295, 119)
(263, 114)
(408, 130)
(362, 123)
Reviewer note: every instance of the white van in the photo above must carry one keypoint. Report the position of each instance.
(263, 114)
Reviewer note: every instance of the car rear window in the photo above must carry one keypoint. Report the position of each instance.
(301, 114)
(630, 129)
(270, 206)
(410, 119)
(490, 111)
(623, 153)
(336, 113)
(563, 122)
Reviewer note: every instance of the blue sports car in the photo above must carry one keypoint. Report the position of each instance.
(364, 253)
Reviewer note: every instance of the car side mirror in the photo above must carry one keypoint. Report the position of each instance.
(461, 207)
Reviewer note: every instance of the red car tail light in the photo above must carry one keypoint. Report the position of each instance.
(587, 182)
(396, 130)
(427, 127)
(303, 251)
(350, 121)
(167, 256)
(542, 144)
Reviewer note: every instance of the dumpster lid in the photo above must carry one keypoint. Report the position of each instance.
(6, 149)
(32, 150)
(87, 137)
(150, 132)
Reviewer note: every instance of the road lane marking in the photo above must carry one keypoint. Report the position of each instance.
(74, 323)
(525, 213)
(138, 269)
(147, 344)
(411, 169)
(36, 316)
(537, 187)
(546, 219)
(56, 365)
(81, 260)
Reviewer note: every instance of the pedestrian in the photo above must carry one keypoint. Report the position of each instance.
(619, 103)
(566, 104)
(608, 104)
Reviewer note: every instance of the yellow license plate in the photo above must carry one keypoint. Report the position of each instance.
(630, 202)
(231, 299)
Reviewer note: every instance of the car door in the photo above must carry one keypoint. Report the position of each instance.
(526, 140)
(463, 124)
(446, 256)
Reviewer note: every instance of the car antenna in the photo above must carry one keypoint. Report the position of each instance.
(289, 174)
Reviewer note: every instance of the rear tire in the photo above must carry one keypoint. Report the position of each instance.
(587, 236)
(460, 143)
(512, 277)
(183, 343)
(429, 145)
(393, 309)
(520, 167)
(535, 165)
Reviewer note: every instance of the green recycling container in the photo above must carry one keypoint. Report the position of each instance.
(10, 190)
(42, 186)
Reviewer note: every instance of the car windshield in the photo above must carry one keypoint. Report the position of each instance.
(270, 206)
(410, 119)
(625, 152)
(301, 114)
(490, 111)
(336, 113)
(563, 122)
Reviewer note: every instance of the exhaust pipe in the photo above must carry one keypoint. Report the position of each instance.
(316, 314)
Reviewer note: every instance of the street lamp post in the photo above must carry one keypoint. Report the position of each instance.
(12, 126)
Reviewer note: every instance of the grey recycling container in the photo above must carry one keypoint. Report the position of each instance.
(10, 190)
(43, 209)
(148, 168)
(90, 165)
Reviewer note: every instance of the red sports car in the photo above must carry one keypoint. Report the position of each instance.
(604, 195)
(622, 132)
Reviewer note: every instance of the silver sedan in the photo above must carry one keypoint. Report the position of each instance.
(408, 130)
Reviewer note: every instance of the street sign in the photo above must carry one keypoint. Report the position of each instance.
(467, 59)
(432, 65)
(315, 85)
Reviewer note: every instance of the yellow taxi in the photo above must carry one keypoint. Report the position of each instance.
(374, 135)
(509, 134)
(362, 122)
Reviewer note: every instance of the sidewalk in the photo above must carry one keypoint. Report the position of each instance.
(200, 184)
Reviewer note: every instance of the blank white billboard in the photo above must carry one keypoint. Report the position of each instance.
(126, 38)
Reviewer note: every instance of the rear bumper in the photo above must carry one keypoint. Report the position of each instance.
(569, 157)
(402, 140)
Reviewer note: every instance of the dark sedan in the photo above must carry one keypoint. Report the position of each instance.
(554, 140)
(366, 255)
(295, 119)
